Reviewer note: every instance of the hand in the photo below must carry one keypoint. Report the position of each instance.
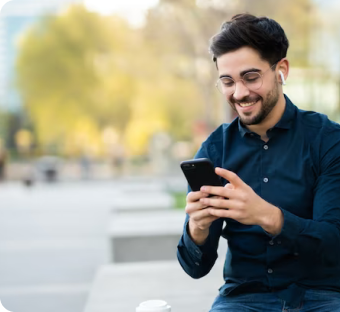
(241, 203)
(200, 218)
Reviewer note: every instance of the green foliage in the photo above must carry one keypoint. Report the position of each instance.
(80, 73)
(69, 71)
(180, 199)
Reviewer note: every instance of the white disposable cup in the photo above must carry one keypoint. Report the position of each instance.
(153, 306)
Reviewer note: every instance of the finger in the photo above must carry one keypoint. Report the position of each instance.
(220, 203)
(230, 176)
(200, 215)
(229, 186)
(195, 206)
(195, 196)
(222, 213)
(218, 191)
(216, 197)
(208, 220)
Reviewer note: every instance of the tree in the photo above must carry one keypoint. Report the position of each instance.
(81, 73)
(73, 78)
(179, 32)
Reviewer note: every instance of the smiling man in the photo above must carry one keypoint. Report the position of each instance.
(280, 206)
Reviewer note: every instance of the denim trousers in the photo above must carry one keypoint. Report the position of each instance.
(314, 301)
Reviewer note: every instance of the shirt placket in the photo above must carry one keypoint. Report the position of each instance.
(266, 179)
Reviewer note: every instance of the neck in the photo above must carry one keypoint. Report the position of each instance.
(271, 120)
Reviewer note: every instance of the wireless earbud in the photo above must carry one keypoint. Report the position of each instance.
(282, 78)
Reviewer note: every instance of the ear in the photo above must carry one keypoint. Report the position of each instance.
(283, 70)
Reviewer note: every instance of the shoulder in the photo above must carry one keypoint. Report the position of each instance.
(318, 125)
(316, 120)
(323, 135)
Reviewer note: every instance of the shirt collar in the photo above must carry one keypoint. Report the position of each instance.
(284, 123)
(288, 116)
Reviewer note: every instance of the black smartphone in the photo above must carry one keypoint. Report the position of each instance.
(199, 172)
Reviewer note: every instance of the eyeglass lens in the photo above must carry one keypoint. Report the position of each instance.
(251, 80)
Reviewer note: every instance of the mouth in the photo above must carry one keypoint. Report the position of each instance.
(247, 104)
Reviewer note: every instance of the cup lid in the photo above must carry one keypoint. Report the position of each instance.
(154, 306)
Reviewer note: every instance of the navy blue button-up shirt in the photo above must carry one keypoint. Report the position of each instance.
(298, 171)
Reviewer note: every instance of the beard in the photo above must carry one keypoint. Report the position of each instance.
(268, 103)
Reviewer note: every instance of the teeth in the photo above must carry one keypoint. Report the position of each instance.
(247, 104)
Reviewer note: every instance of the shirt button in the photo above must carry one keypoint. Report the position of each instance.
(265, 147)
(279, 242)
(270, 271)
(197, 263)
(265, 180)
(296, 254)
(271, 242)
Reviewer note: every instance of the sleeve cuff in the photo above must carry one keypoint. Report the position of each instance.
(290, 229)
(197, 251)
(291, 225)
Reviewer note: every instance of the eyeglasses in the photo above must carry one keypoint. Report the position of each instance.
(252, 80)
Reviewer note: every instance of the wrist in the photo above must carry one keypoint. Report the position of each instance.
(197, 234)
(272, 222)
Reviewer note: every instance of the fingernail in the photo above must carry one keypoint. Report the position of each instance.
(203, 188)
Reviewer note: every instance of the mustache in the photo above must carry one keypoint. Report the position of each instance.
(247, 99)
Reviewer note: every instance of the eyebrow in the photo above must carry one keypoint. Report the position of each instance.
(242, 73)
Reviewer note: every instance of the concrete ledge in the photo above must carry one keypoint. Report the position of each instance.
(121, 287)
(145, 236)
(142, 201)
(148, 236)
(147, 223)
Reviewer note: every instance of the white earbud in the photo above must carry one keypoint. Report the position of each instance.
(282, 78)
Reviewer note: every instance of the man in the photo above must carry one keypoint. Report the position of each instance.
(281, 199)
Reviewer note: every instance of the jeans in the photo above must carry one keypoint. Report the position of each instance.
(314, 301)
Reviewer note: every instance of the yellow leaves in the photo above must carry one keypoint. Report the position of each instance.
(84, 137)
(139, 132)
(23, 140)
(148, 118)
(70, 81)
(81, 74)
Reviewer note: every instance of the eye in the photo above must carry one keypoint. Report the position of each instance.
(251, 77)
(227, 82)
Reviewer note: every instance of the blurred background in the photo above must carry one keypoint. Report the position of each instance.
(100, 101)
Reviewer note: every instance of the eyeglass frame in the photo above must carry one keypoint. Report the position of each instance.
(241, 79)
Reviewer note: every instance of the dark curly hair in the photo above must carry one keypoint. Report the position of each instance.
(260, 33)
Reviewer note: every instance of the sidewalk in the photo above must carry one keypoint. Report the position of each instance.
(54, 237)
(121, 287)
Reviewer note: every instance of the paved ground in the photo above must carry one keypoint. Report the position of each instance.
(121, 287)
(52, 240)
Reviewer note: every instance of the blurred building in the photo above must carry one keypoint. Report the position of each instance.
(16, 17)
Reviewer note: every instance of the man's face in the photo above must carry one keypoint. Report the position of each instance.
(253, 107)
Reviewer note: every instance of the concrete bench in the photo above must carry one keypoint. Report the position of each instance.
(145, 236)
(121, 287)
(148, 236)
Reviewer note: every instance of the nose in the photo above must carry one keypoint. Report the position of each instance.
(241, 91)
